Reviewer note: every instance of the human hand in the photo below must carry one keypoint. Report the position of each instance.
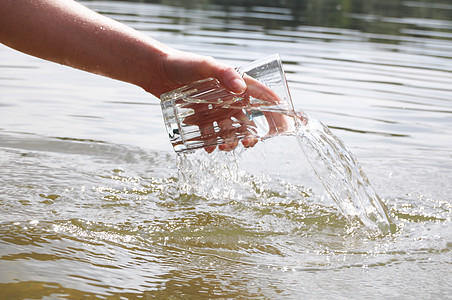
(177, 68)
(228, 121)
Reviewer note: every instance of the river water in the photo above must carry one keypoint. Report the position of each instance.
(89, 197)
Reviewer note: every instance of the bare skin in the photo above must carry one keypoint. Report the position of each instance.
(227, 119)
(66, 32)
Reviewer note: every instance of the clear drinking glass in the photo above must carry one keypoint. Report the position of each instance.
(204, 114)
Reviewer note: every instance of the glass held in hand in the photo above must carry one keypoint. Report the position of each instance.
(206, 115)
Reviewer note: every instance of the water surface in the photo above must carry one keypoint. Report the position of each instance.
(89, 197)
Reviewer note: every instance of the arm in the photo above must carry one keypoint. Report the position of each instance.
(68, 33)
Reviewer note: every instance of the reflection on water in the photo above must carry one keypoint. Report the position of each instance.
(89, 201)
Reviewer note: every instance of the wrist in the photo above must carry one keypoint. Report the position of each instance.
(148, 69)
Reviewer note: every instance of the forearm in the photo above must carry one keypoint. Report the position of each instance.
(66, 32)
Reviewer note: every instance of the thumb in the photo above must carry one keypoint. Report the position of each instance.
(231, 80)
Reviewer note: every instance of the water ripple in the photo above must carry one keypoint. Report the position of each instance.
(89, 197)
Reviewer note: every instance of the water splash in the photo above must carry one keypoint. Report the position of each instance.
(285, 167)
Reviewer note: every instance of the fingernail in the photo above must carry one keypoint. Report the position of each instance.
(210, 149)
(228, 146)
(237, 85)
(223, 147)
(249, 142)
